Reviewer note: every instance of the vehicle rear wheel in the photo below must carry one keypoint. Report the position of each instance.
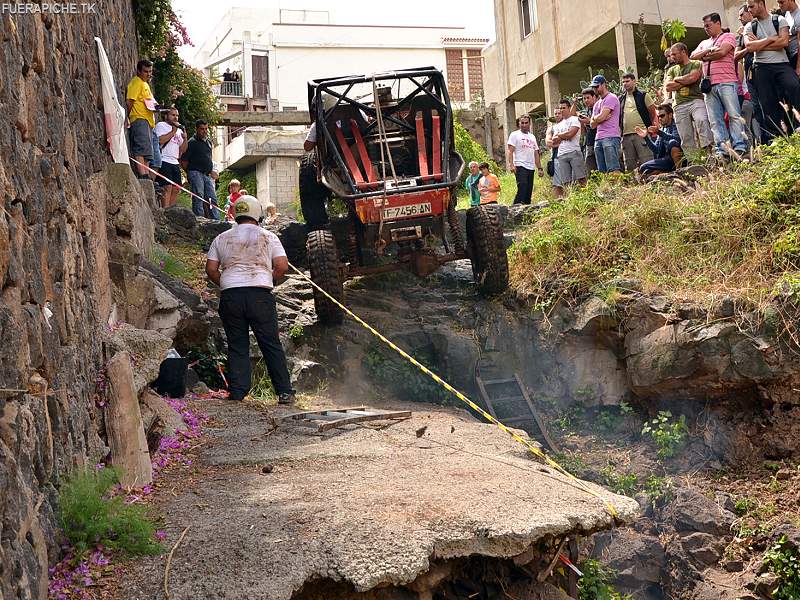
(487, 250)
(313, 195)
(323, 261)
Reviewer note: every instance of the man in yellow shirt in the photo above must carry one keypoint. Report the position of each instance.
(141, 116)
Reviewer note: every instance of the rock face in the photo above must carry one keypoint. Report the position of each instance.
(60, 211)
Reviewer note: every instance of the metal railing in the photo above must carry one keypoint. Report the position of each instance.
(231, 88)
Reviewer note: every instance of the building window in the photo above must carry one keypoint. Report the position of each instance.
(527, 15)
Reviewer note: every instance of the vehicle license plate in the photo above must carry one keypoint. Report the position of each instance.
(409, 210)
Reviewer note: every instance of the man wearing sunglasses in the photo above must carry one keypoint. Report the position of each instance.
(664, 141)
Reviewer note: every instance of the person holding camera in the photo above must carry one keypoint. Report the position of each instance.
(173, 142)
(720, 86)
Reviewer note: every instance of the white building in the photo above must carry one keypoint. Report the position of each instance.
(275, 52)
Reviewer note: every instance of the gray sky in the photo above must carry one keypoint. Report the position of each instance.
(200, 16)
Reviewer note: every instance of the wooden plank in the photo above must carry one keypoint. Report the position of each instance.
(536, 416)
(486, 400)
(126, 435)
(498, 381)
(246, 118)
(320, 412)
(377, 416)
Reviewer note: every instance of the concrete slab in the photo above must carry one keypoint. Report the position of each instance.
(363, 505)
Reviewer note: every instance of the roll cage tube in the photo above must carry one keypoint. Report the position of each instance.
(435, 80)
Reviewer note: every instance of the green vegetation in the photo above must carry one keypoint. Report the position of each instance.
(783, 559)
(404, 379)
(738, 233)
(160, 33)
(91, 515)
(659, 490)
(744, 505)
(182, 261)
(668, 435)
(471, 150)
(296, 332)
(206, 363)
(626, 484)
(596, 582)
(262, 389)
(572, 462)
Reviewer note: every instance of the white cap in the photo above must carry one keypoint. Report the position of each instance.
(248, 206)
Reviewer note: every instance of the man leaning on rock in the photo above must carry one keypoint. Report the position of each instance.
(245, 262)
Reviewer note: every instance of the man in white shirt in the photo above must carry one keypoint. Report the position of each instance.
(791, 12)
(173, 142)
(245, 261)
(566, 137)
(521, 157)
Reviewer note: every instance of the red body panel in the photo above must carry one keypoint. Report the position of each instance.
(368, 209)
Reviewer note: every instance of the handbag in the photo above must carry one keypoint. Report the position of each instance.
(705, 82)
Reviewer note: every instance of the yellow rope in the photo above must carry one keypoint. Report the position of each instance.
(531, 447)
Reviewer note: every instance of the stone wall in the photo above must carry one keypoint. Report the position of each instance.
(480, 122)
(55, 289)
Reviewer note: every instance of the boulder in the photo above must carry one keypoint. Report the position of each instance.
(691, 511)
(637, 558)
(147, 349)
(688, 360)
(155, 409)
(180, 218)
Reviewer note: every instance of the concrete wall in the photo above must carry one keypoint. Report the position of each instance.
(278, 176)
(558, 35)
(562, 32)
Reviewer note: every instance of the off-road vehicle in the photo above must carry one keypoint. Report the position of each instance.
(385, 147)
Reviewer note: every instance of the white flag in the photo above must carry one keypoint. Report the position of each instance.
(113, 113)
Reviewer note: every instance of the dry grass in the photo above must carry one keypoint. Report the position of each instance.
(737, 235)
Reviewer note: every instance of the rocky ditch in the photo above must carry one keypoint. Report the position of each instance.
(621, 365)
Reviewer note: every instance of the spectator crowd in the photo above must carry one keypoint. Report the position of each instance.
(160, 150)
(730, 93)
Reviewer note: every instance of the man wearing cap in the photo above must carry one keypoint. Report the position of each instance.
(605, 119)
(245, 261)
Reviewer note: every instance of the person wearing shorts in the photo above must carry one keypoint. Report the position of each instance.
(570, 165)
(141, 107)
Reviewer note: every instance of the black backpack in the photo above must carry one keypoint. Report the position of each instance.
(775, 26)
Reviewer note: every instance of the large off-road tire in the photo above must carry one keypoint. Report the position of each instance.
(323, 262)
(487, 250)
(455, 232)
(313, 195)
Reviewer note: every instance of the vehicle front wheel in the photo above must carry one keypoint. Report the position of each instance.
(323, 262)
(486, 249)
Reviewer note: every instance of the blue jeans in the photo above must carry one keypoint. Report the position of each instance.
(202, 185)
(155, 163)
(724, 98)
(606, 151)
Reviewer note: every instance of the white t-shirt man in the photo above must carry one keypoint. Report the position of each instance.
(172, 149)
(525, 148)
(573, 144)
(311, 136)
(245, 255)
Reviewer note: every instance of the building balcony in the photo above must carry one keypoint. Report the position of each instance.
(231, 88)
